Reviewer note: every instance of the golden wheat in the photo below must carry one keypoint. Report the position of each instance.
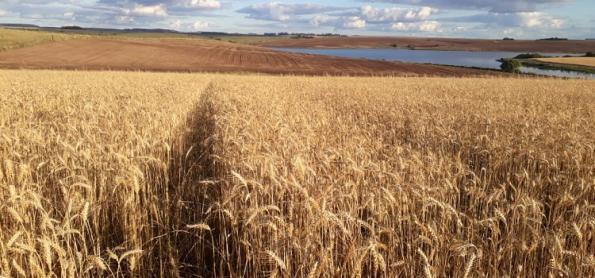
(580, 61)
(145, 174)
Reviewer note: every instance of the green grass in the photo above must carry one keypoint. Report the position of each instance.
(17, 38)
(11, 38)
(126, 34)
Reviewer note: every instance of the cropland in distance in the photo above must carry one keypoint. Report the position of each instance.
(193, 55)
(576, 46)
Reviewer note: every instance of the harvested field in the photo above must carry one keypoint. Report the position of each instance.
(203, 56)
(438, 44)
(578, 61)
(128, 174)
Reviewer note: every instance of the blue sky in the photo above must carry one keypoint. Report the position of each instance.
(442, 18)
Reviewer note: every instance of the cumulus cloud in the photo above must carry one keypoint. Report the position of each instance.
(424, 26)
(406, 16)
(203, 4)
(498, 15)
(276, 11)
(520, 19)
(342, 18)
(194, 4)
(197, 25)
(111, 13)
(176, 25)
(500, 6)
(124, 19)
(338, 22)
(387, 15)
(141, 10)
(321, 20)
(353, 22)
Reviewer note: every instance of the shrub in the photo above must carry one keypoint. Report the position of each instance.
(510, 65)
(72, 28)
(554, 39)
(529, 56)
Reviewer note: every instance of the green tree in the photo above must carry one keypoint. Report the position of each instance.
(510, 65)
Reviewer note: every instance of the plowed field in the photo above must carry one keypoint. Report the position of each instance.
(439, 44)
(202, 56)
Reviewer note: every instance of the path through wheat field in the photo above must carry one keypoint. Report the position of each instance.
(176, 175)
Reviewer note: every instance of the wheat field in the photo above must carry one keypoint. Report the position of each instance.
(579, 61)
(179, 175)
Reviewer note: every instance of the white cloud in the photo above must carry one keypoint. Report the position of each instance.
(525, 17)
(538, 19)
(321, 19)
(199, 24)
(353, 22)
(425, 12)
(124, 19)
(557, 23)
(387, 15)
(176, 25)
(429, 26)
(424, 26)
(531, 20)
(339, 17)
(189, 26)
(178, 5)
(501, 6)
(276, 11)
(154, 10)
(203, 4)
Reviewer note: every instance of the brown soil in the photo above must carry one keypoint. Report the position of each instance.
(573, 46)
(203, 55)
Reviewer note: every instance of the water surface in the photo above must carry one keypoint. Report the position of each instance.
(479, 59)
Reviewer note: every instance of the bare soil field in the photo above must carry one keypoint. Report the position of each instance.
(579, 61)
(438, 44)
(203, 56)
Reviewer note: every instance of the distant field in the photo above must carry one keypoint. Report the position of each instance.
(128, 174)
(572, 46)
(17, 38)
(11, 39)
(199, 55)
(250, 40)
(580, 61)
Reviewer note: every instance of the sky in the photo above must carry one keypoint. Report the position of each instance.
(430, 18)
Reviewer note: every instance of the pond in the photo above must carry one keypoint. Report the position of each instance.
(479, 59)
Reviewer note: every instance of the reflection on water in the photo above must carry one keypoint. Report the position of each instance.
(480, 59)
(558, 73)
